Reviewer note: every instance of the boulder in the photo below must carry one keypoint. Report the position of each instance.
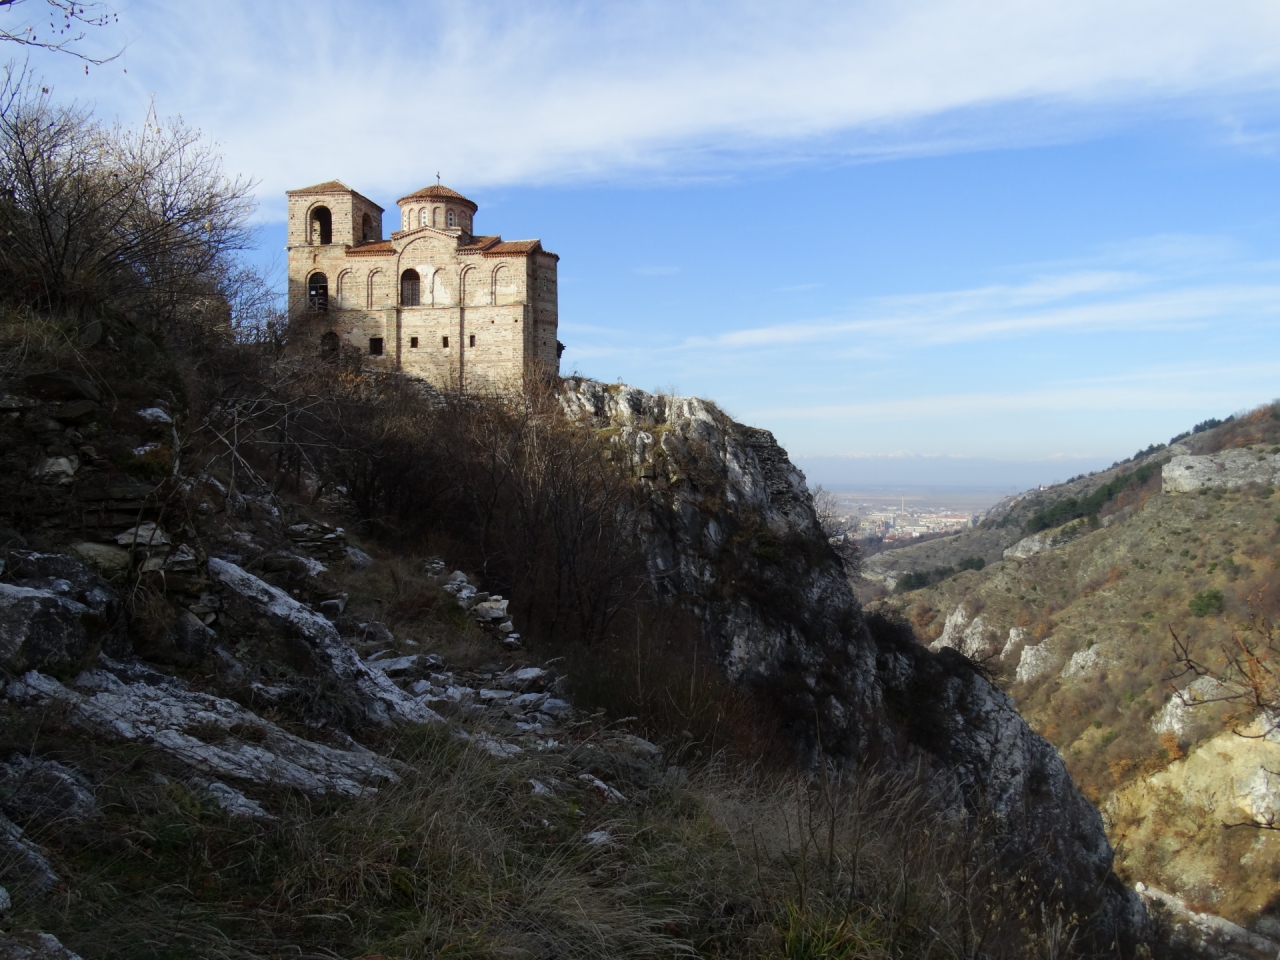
(268, 611)
(155, 415)
(45, 791)
(21, 861)
(490, 610)
(211, 735)
(33, 946)
(55, 613)
(358, 559)
(59, 470)
(105, 558)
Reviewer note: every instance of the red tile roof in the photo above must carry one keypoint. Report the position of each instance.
(437, 192)
(374, 248)
(329, 186)
(485, 246)
(479, 244)
(513, 248)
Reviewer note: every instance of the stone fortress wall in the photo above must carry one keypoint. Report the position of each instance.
(434, 300)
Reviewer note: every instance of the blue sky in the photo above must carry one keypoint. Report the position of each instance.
(958, 242)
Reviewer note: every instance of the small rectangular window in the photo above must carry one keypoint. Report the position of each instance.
(413, 343)
(444, 342)
(472, 341)
(375, 346)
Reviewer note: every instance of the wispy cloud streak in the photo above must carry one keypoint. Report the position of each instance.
(510, 92)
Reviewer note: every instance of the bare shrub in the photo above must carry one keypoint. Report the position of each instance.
(99, 218)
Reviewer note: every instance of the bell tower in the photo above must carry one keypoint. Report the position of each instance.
(332, 213)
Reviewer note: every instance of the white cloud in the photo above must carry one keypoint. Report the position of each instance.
(1162, 296)
(505, 92)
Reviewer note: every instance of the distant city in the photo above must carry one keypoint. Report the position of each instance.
(893, 518)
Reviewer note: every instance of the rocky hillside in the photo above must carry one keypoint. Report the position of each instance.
(233, 723)
(1090, 624)
(1008, 521)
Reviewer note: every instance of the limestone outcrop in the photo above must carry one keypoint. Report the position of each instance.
(733, 535)
(1173, 820)
(1220, 471)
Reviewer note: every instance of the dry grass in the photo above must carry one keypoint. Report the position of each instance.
(460, 859)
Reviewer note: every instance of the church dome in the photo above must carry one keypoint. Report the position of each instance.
(439, 207)
(438, 192)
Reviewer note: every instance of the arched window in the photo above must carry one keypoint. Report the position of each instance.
(453, 219)
(318, 292)
(329, 347)
(422, 218)
(410, 289)
(321, 226)
(366, 228)
(435, 216)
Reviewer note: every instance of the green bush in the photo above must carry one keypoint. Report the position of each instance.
(1207, 602)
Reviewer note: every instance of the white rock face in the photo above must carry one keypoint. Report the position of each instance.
(384, 701)
(960, 633)
(1207, 935)
(1219, 471)
(1016, 636)
(1229, 779)
(1036, 661)
(206, 733)
(1090, 661)
(1174, 716)
(236, 803)
(1029, 546)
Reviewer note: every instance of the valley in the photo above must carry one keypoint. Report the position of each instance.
(1128, 638)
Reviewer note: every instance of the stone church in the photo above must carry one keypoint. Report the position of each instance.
(436, 300)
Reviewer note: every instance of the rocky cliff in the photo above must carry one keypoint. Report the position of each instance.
(732, 532)
(184, 648)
